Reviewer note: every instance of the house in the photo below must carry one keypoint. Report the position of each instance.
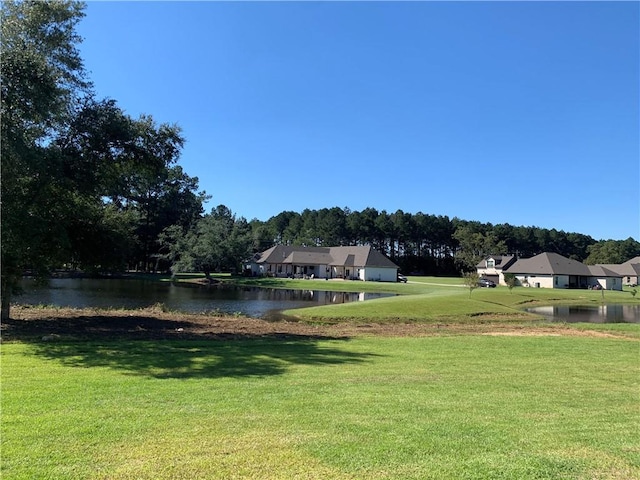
(492, 268)
(629, 271)
(551, 270)
(354, 262)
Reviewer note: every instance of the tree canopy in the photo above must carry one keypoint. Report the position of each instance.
(83, 184)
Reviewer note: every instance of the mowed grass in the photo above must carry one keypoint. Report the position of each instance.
(430, 302)
(458, 407)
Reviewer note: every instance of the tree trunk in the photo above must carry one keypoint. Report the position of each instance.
(5, 293)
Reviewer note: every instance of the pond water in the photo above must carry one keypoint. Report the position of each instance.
(129, 293)
(611, 313)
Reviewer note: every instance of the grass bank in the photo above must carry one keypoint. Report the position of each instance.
(429, 302)
(439, 407)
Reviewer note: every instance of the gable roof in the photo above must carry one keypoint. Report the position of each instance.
(353, 256)
(602, 271)
(629, 268)
(633, 261)
(502, 261)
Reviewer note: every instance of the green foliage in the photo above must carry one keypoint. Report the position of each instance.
(511, 280)
(218, 242)
(475, 243)
(471, 279)
(83, 184)
(42, 76)
(612, 251)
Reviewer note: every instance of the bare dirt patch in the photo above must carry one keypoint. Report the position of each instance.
(52, 324)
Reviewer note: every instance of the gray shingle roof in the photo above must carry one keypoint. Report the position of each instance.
(602, 271)
(502, 261)
(549, 264)
(352, 256)
(629, 268)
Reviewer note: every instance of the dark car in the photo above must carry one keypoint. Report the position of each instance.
(402, 278)
(485, 282)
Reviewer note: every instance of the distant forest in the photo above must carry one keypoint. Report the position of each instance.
(432, 244)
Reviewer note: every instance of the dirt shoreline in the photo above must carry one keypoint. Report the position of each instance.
(62, 324)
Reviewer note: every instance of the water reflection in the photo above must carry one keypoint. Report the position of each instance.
(612, 313)
(128, 293)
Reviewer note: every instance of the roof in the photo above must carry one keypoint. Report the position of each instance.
(549, 264)
(555, 264)
(602, 271)
(352, 256)
(502, 261)
(629, 268)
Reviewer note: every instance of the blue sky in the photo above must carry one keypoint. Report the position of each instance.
(505, 112)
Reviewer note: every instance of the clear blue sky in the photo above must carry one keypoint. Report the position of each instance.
(518, 112)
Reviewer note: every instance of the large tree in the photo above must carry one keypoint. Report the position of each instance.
(218, 242)
(83, 184)
(42, 80)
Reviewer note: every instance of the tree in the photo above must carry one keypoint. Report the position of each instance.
(79, 177)
(218, 242)
(612, 251)
(471, 279)
(476, 242)
(511, 280)
(42, 79)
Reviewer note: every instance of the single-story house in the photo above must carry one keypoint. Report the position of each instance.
(492, 268)
(551, 270)
(351, 262)
(629, 271)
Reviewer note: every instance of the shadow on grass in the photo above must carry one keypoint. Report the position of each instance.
(152, 347)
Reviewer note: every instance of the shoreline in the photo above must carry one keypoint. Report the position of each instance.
(29, 324)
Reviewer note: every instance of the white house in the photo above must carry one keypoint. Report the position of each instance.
(551, 270)
(493, 267)
(629, 270)
(354, 262)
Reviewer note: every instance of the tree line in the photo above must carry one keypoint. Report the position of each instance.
(432, 244)
(417, 243)
(85, 186)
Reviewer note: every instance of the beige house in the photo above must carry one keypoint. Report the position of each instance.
(493, 267)
(551, 270)
(629, 271)
(353, 263)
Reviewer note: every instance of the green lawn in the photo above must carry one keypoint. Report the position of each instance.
(467, 406)
(430, 302)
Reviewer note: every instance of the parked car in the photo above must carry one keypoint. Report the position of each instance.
(402, 278)
(485, 282)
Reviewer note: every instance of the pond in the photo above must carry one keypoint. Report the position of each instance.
(129, 293)
(610, 313)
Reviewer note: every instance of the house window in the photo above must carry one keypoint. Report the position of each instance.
(556, 278)
(491, 263)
